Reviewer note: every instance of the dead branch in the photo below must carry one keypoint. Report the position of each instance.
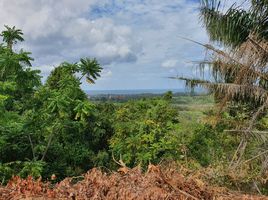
(120, 162)
(175, 188)
(256, 156)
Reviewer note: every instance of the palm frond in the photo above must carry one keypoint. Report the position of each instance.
(230, 28)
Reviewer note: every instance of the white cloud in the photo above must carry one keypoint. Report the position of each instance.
(138, 42)
(62, 30)
(170, 63)
(106, 73)
(157, 25)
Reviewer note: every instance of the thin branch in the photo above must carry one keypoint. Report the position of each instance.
(175, 188)
(47, 147)
(246, 131)
(256, 115)
(32, 147)
(243, 143)
(257, 188)
(253, 158)
(120, 162)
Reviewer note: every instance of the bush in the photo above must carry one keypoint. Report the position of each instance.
(142, 131)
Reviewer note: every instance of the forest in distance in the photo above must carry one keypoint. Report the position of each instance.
(56, 138)
(126, 95)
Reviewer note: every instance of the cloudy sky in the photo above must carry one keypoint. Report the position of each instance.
(138, 42)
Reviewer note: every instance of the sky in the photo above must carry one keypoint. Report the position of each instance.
(139, 43)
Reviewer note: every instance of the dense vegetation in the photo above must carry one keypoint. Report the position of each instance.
(54, 129)
(239, 69)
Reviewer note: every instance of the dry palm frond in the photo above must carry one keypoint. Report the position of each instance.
(232, 90)
(239, 59)
(240, 75)
(240, 69)
(256, 51)
(190, 83)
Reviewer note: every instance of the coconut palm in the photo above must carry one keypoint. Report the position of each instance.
(11, 36)
(234, 26)
(240, 71)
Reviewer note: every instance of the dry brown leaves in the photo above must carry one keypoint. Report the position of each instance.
(131, 185)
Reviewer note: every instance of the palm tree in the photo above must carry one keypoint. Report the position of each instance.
(90, 68)
(235, 26)
(240, 71)
(66, 71)
(11, 36)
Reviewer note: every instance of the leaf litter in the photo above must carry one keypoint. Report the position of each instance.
(126, 184)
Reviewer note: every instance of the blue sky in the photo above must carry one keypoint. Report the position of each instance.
(138, 42)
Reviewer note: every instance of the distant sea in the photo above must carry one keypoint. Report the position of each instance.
(134, 92)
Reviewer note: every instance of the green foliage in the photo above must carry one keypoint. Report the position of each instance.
(11, 36)
(83, 110)
(90, 68)
(51, 128)
(234, 26)
(206, 145)
(59, 121)
(23, 169)
(6, 173)
(32, 168)
(168, 95)
(239, 69)
(142, 131)
(55, 129)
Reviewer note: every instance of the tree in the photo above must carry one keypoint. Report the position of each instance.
(11, 36)
(83, 110)
(50, 128)
(168, 95)
(235, 26)
(89, 68)
(15, 67)
(240, 70)
(63, 123)
(144, 132)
